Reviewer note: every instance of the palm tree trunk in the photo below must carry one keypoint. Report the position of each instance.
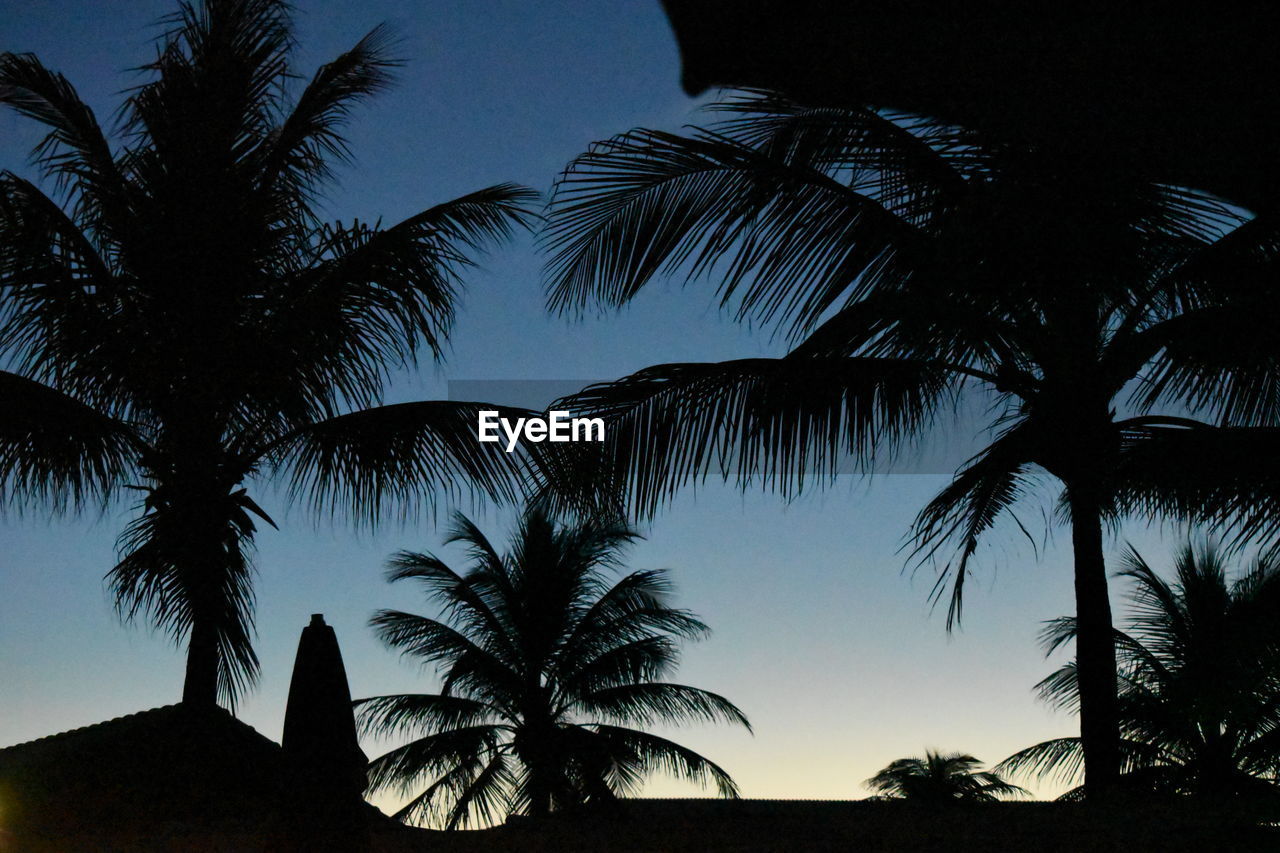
(1095, 645)
(202, 558)
(200, 686)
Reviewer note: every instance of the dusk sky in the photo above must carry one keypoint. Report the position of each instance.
(820, 636)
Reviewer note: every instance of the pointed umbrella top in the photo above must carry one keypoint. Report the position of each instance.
(319, 727)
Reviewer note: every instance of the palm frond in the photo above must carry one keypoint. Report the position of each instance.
(405, 766)
(634, 608)
(660, 702)
(56, 450)
(486, 798)
(657, 754)
(419, 713)
(186, 563)
(75, 153)
(1215, 361)
(378, 294)
(299, 152)
(651, 656)
(647, 203)
(42, 244)
(406, 454)
(1062, 759)
(470, 665)
(467, 603)
(1224, 478)
(782, 423)
(432, 806)
(214, 84)
(916, 164)
(927, 322)
(983, 490)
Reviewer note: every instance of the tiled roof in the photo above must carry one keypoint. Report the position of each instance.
(175, 761)
(149, 723)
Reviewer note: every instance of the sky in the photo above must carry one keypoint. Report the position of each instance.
(822, 635)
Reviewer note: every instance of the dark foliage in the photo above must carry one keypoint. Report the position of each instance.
(1199, 683)
(910, 262)
(550, 670)
(940, 778)
(176, 318)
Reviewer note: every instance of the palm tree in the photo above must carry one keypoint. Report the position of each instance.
(177, 319)
(1199, 682)
(547, 665)
(938, 779)
(910, 262)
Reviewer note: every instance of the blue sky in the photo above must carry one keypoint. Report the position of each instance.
(820, 636)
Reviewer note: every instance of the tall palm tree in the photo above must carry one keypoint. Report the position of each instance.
(1199, 682)
(940, 778)
(177, 319)
(908, 262)
(548, 664)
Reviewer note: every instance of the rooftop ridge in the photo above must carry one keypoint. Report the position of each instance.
(159, 712)
(90, 726)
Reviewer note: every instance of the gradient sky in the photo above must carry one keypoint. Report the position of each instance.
(819, 635)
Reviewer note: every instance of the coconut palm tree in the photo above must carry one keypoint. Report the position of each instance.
(1199, 682)
(911, 263)
(551, 669)
(177, 319)
(940, 778)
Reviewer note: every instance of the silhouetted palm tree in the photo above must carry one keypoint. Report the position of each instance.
(909, 261)
(547, 663)
(1199, 683)
(177, 319)
(939, 778)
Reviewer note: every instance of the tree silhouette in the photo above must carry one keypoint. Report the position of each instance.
(547, 666)
(940, 778)
(177, 319)
(910, 262)
(1199, 682)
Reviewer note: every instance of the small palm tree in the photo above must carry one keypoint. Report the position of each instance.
(940, 778)
(178, 320)
(1199, 682)
(547, 666)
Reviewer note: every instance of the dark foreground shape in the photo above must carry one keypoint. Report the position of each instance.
(191, 777)
(1112, 78)
(319, 739)
(735, 826)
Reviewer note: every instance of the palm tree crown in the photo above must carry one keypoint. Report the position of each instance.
(909, 262)
(940, 778)
(177, 319)
(547, 664)
(1199, 682)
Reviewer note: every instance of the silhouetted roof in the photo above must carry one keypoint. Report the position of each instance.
(197, 776)
(1187, 96)
(216, 721)
(177, 762)
(827, 826)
